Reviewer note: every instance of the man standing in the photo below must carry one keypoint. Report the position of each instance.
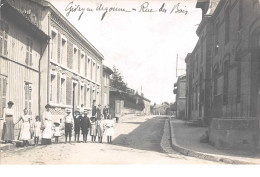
(105, 112)
(99, 112)
(68, 125)
(94, 108)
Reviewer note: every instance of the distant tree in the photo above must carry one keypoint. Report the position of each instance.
(117, 80)
(166, 103)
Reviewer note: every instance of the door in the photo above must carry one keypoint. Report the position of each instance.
(73, 98)
(118, 108)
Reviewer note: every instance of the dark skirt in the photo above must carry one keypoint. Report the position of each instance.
(8, 129)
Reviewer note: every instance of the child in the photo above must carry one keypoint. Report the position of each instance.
(57, 131)
(37, 130)
(93, 129)
(100, 128)
(109, 129)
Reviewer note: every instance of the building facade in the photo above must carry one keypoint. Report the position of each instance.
(22, 45)
(230, 30)
(105, 85)
(180, 91)
(71, 69)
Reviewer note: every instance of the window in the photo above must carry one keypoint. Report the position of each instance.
(225, 89)
(201, 52)
(98, 74)
(94, 71)
(3, 90)
(196, 97)
(62, 91)
(75, 59)
(28, 59)
(227, 25)
(63, 58)
(216, 71)
(3, 37)
(54, 50)
(89, 69)
(86, 66)
(52, 86)
(105, 99)
(216, 38)
(82, 64)
(28, 97)
(105, 79)
(81, 94)
(239, 81)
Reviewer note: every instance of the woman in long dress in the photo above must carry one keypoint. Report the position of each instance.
(109, 124)
(8, 130)
(47, 132)
(25, 133)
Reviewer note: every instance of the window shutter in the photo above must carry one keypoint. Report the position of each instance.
(59, 54)
(4, 87)
(79, 61)
(86, 66)
(58, 87)
(85, 94)
(68, 91)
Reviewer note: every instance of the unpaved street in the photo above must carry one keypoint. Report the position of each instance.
(138, 140)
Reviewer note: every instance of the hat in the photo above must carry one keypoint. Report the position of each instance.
(10, 103)
(86, 111)
(67, 110)
(93, 119)
(56, 123)
(47, 106)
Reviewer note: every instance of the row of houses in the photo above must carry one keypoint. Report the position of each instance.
(223, 72)
(44, 59)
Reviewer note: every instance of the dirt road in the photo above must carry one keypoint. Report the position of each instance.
(138, 140)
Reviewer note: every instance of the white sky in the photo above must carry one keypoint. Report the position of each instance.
(143, 46)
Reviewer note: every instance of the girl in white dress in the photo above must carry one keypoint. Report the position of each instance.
(109, 124)
(57, 132)
(47, 121)
(25, 133)
(37, 130)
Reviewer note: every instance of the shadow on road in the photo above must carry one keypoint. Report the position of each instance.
(147, 136)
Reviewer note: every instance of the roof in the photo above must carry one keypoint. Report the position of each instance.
(144, 98)
(14, 15)
(112, 89)
(45, 3)
(107, 69)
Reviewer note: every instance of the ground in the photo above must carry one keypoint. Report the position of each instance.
(137, 140)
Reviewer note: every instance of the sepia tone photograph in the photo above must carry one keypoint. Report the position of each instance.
(129, 82)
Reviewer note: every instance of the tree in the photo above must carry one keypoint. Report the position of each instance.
(117, 80)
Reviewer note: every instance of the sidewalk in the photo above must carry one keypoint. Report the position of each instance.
(186, 140)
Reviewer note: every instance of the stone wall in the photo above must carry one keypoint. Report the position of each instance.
(241, 134)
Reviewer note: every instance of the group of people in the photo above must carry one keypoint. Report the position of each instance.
(97, 124)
